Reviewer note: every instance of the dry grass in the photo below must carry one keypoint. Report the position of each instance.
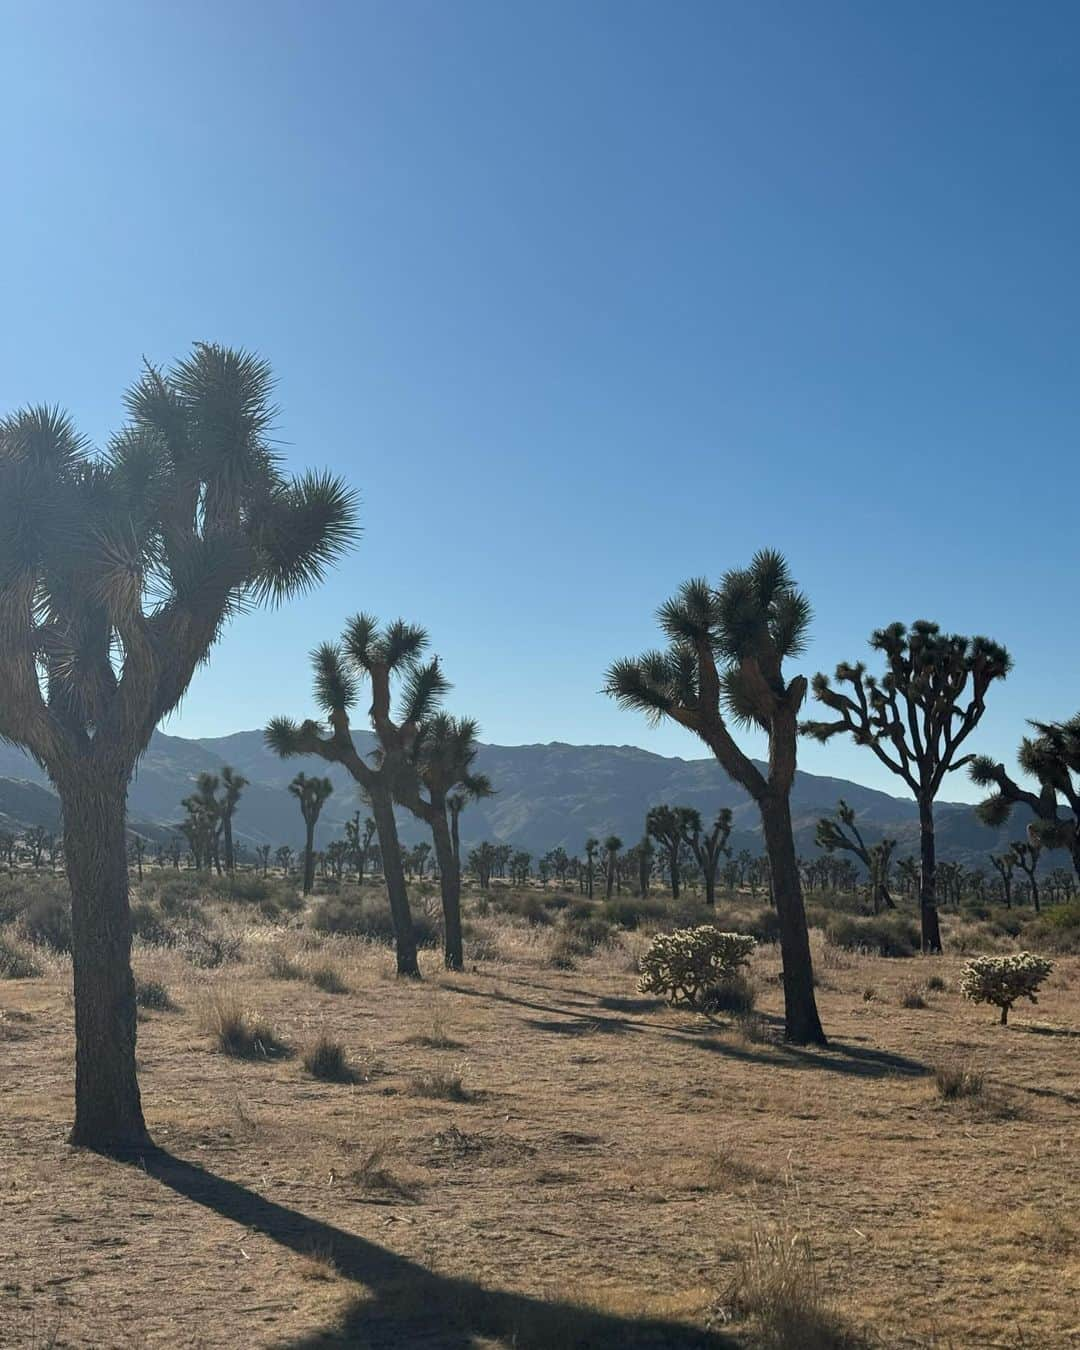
(239, 1033)
(327, 1059)
(623, 1156)
(440, 1084)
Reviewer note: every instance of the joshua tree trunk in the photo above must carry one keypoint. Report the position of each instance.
(710, 884)
(394, 874)
(230, 857)
(309, 858)
(801, 1022)
(673, 870)
(450, 887)
(108, 1111)
(931, 931)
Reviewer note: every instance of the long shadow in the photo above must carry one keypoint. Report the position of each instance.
(837, 1058)
(405, 1304)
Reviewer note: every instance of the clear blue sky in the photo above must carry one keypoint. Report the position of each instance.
(586, 298)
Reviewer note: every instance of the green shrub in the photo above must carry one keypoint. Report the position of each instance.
(1003, 980)
(885, 934)
(1057, 928)
(364, 916)
(763, 927)
(16, 964)
(152, 995)
(47, 921)
(631, 912)
(687, 966)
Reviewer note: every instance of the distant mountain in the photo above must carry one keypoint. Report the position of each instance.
(548, 795)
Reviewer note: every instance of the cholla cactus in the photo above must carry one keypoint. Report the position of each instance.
(1002, 980)
(684, 967)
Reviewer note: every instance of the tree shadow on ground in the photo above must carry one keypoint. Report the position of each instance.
(1042, 1029)
(837, 1057)
(404, 1303)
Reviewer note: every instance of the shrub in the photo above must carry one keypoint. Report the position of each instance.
(328, 980)
(47, 921)
(885, 934)
(631, 912)
(936, 985)
(326, 1059)
(763, 927)
(1003, 980)
(734, 994)
(208, 950)
(152, 995)
(149, 925)
(16, 964)
(911, 997)
(685, 967)
(364, 916)
(1057, 928)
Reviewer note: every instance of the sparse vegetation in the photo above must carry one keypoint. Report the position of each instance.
(326, 1059)
(240, 1033)
(690, 967)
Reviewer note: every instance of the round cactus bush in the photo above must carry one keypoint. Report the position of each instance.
(1002, 980)
(687, 966)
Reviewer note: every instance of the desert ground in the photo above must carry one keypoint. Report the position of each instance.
(532, 1154)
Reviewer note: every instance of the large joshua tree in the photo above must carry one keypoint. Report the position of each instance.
(725, 658)
(1052, 758)
(479, 787)
(441, 755)
(312, 794)
(118, 571)
(915, 719)
(379, 657)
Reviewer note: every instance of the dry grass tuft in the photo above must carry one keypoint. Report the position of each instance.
(911, 997)
(327, 978)
(326, 1059)
(318, 1263)
(280, 966)
(436, 1037)
(379, 1184)
(956, 1080)
(240, 1034)
(440, 1084)
(776, 1288)
(16, 963)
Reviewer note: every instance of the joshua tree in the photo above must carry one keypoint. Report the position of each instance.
(669, 825)
(146, 551)
(458, 801)
(708, 846)
(612, 844)
(367, 654)
(646, 855)
(520, 864)
(262, 853)
(202, 823)
(1027, 853)
(833, 833)
(591, 846)
(915, 719)
(284, 857)
(726, 655)
(359, 841)
(137, 851)
(1052, 758)
(481, 861)
(312, 794)
(234, 784)
(441, 757)
(1003, 864)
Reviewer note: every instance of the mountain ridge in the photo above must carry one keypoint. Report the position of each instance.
(549, 794)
